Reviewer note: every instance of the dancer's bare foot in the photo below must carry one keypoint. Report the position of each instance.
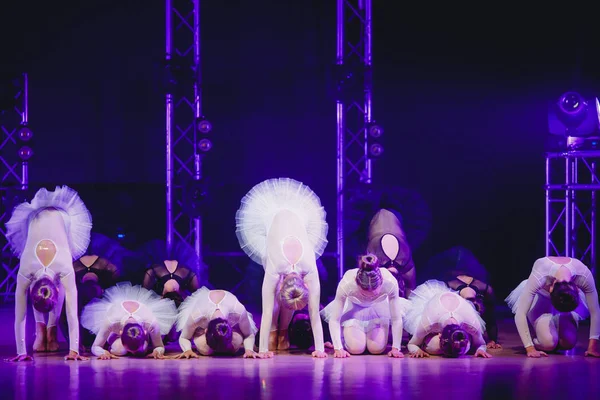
(283, 340)
(40, 345)
(272, 340)
(51, 333)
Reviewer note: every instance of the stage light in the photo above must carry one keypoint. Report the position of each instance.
(204, 126)
(573, 115)
(375, 131)
(25, 153)
(205, 145)
(376, 150)
(24, 133)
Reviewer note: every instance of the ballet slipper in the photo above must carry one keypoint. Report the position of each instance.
(40, 344)
(51, 337)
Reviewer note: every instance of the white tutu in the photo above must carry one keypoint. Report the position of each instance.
(365, 318)
(418, 301)
(200, 303)
(581, 312)
(264, 201)
(96, 314)
(77, 218)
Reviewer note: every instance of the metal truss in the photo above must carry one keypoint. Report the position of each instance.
(14, 179)
(354, 104)
(183, 111)
(571, 185)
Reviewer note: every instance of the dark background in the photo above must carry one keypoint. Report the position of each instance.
(462, 94)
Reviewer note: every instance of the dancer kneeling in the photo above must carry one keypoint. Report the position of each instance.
(559, 292)
(127, 317)
(47, 234)
(443, 323)
(367, 298)
(217, 323)
(281, 225)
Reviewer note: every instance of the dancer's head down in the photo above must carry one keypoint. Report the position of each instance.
(369, 276)
(454, 341)
(293, 293)
(44, 294)
(564, 296)
(134, 338)
(219, 336)
(301, 334)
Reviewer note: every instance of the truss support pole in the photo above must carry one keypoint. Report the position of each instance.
(571, 185)
(183, 102)
(354, 106)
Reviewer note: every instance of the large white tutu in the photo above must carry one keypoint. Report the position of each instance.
(418, 301)
(581, 312)
(197, 302)
(96, 313)
(77, 218)
(264, 201)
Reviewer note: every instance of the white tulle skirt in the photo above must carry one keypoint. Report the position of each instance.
(581, 312)
(96, 314)
(418, 301)
(264, 201)
(365, 318)
(77, 218)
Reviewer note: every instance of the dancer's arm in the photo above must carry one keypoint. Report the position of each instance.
(336, 308)
(410, 278)
(246, 330)
(396, 312)
(21, 313)
(156, 340)
(531, 288)
(414, 346)
(591, 297)
(314, 302)
(268, 299)
(100, 341)
(115, 274)
(194, 283)
(70, 286)
(186, 336)
(480, 344)
(149, 279)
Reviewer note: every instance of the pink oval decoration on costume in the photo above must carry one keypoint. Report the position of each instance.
(450, 301)
(292, 249)
(390, 246)
(131, 306)
(46, 251)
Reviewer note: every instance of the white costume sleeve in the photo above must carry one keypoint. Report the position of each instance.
(397, 307)
(71, 310)
(417, 340)
(591, 298)
(524, 304)
(314, 302)
(268, 299)
(247, 330)
(186, 336)
(21, 313)
(335, 310)
(479, 342)
(156, 338)
(100, 341)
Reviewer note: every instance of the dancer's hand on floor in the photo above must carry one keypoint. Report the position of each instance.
(157, 355)
(22, 357)
(268, 354)
(319, 354)
(395, 353)
(482, 354)
(593, 349)
(186, 354)
(341, 354)
(108, 356)
(493, 345)
(419, 354)
(74, 356)
(533, 353)
(250, 354)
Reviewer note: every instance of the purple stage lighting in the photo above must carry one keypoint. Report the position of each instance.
(204, 126)
(573, 115)
(25, 134)
(205, 145)
(375, 131)
(25, 153)
(376, 150)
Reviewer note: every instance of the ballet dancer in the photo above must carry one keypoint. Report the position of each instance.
(462, 272)
(128, 318)
(172, 274)
(443, 323)
(367, 299)
(217, 323)
(559, 292)
(281, 225)
(47, 234)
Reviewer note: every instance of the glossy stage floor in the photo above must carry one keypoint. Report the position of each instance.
(294, 375)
